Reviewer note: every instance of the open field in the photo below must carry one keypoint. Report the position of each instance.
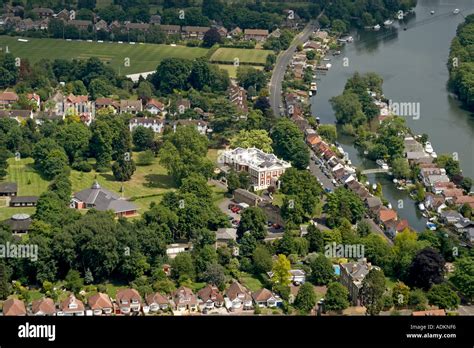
(246, 56)
(143, 57)
(30, 183)
(232, 70)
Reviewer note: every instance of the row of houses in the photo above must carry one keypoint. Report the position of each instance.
(130, 302)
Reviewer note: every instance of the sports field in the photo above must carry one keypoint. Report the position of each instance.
(248, 56)
(141, 57)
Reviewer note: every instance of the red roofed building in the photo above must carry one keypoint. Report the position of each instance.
(7, 99)
(154, 107)
(100, 304)
(386, 215)
(14, 308)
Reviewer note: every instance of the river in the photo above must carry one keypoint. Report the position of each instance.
(412, 63)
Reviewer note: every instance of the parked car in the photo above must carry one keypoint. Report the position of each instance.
(277, 226)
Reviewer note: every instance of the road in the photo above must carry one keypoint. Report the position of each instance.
(282, 63)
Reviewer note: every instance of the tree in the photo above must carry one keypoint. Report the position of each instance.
(55, 163)
(306, 299)
(143, 138)
(253, 138)
(400, 295)
(254, 220)
(61, 185)
(443, 296)
(400, 168)
(3, 163)
(5, 287)
(337, 297)
(328, 132)
(74, 282)
(463, 276)
(145, 158)
(338, 26)
(322, 272)
(344, 203)
(426, 269)
(123, 168)
(183, 267)
(214, 274)
(315, 238)
(288, 143)
(373, 288)
(348, 109)
(172, 73)
(417, 300)
(248, 76)
(211, 37)
(281, 271)
(262, 260)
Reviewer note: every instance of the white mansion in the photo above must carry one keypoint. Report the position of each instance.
(264, 168)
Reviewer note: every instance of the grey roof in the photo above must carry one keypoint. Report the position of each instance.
(103, 199)
(247, 194)
(9, 187)
(19, 222)
(451, 214)
(226, 234)
(24, 199)
(373, 202)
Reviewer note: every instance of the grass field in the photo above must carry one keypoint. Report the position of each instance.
(143, 57)
(28, 180)
(232, 70)
(244, 55)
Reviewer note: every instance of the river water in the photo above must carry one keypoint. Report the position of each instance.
(412, 63)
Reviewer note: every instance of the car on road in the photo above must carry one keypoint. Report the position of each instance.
(327, 189)
(235, 210)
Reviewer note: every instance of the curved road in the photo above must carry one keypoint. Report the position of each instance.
(281, 64)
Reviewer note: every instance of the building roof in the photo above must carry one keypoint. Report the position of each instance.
(373, 202)
(195, 29)
(130, 104)
(14, 307)
(156, 298)
(100, 301)
(247, 194)
(263, 295)
(102, 199)
(155, 103)
(44, 305)
(71, 300)
(24, 199)
(8, 96)
(19, 222)
(256, 158)
(168, 27)
(387, 215)
(8, 187)
(225, 233)
(357, 270)
(260, 32)
(237, 290)
(128, 295)
(210, 293)
(184, 295)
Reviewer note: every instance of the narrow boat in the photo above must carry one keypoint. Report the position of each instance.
(428, 147)
(314, 87)
(388, 22)
(377, 27)
(456, 11)
(374, 186)
(434, 155)
(421, 206)
(432, 12)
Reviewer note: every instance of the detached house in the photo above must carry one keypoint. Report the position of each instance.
(131, 106)
(80, 24)
(129, 301)
(154, 107)
(152, 123)
(100, 304)
(157, 302)
(101, 103)
(191, 32)
(373, 204)
(184, 299)
(14, 308)
(8, 189)
(238, 297)
(266, 298)
(7, 99)
(71, 306)
(171, 29)
(256, 34)
(211, 297)
(352, 275)
(42, 12)
(201, 126)
(44, 306)
(238, 97)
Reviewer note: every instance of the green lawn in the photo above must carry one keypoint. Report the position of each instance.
(251, 282)
(143, 57)
(29, 181)
(232, 70)
(229, 55)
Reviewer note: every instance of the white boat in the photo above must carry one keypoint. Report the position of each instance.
(388, 22)
(389, 205)
(431, 226)
(374, 186)
(456, 11)
(350, 39)
(327, 59)
(428, 147)
(328, 65)
(395, 181)
(432, 12)
(434, 155)
(421, 206)
(314, 87)
(377, 27)
(400, 15)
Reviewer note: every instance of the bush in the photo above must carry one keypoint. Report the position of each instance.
(82, 166)
(145, 158)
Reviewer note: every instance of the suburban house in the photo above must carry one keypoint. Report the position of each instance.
(211, 297)
(374, 204)
(131, 106)
(256, 34)
(154, 124)
(450, 216)
(71, 306)
(43, 306)
(8, 189)
(191, 32)
(396, 226)
(266, 298)
(264, 168)
(100, 303)
(352, 275)
(137, 26)
(171, 29)
(154, 107)
(34, 99)
(17, 115)
(244, 196)
(102, 103)
(14, 307)
(296, 276)
(184, 299)
(235, 32)
(238, 297)
(19, 223)
(224, 235)
(23, 201)
(101, 199)
(80, 105)
(7, 99)
(80, 24)
(157, 302)
(129, 301)
(43, 12)
(385, 215)
(101, 26)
